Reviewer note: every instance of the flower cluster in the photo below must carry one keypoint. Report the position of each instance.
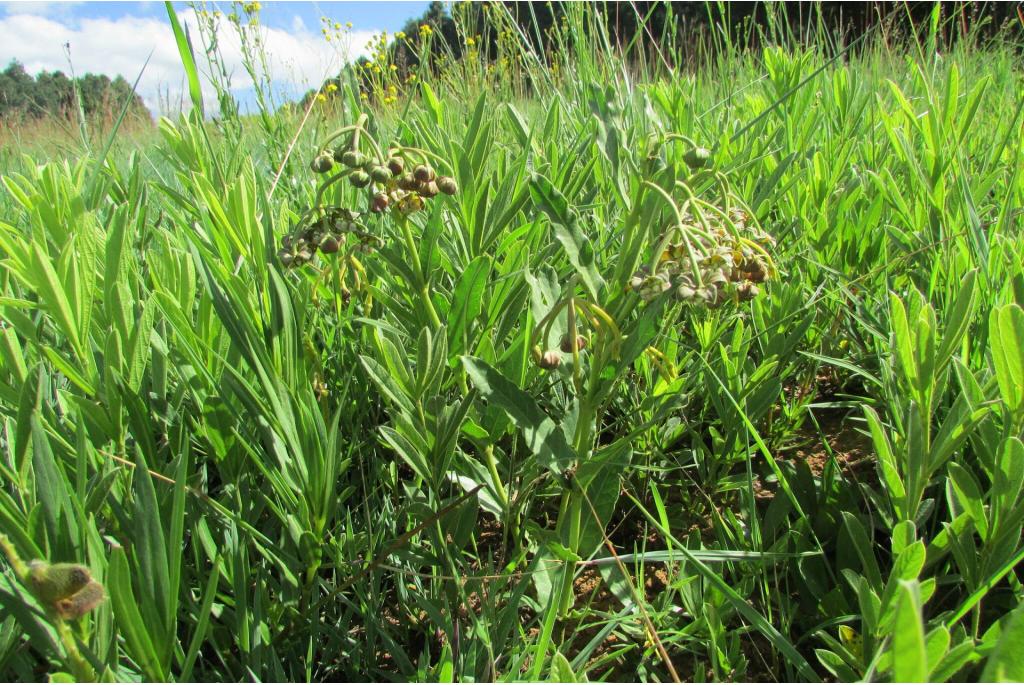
(326, 234)
(401, 181)
(720, 259)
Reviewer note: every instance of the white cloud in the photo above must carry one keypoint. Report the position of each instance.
(297, 59)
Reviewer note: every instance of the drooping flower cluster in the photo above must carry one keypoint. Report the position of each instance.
(708, 263)
(389, 187)
(325, 234)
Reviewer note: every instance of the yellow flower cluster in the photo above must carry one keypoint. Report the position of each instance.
(333, 30)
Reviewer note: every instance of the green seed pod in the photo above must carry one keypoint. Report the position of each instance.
(80, 603)
(423, 173)
(380, 174)
(447, 185)
(53, 582)
(321, 164)
(396, 165)
(697, 157)
(360, 179)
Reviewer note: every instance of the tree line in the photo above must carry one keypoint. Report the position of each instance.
(738, 24)
(52, 93)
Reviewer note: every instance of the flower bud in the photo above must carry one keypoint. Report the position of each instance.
(697, 157)
(407, 182)
(423, 173)
(329, 245)
(550, 360)
(321, 164)
(429, 189)
(360, 179)
(565, 344)
(80, 603)
(380, 174)
(379, 203)
(447, 185)
(53, 582)
(396, 166)
(353, 159)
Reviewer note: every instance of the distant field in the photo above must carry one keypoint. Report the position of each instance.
(574, 369)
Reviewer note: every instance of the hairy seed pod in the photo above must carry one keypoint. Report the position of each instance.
(423, 173)
(379, 203)
(565, 344)
(697, 157)
(329, 245)
(52, 582)
(80, 603)
(321, 164)
(447, 185)
(360, 179)
(396, 166)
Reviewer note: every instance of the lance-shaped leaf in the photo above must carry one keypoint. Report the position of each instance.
(544, 437)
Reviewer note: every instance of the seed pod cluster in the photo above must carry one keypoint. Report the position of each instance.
(730, 263)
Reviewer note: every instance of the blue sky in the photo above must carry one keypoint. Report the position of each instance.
(115, 38)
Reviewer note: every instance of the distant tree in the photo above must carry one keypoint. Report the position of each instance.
(53, 94)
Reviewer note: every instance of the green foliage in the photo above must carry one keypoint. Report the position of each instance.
(611, 408)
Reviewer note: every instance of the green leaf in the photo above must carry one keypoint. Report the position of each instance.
(909, 658)
(561, 669)
(1006, 334)
(545, 439)
(195, 91)
(467, 301)
(129, 620)
(578, 247)
(1005, 664)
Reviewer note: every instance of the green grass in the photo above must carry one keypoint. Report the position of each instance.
(355, 468)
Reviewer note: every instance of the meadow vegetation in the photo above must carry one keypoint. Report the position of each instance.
(586, 363)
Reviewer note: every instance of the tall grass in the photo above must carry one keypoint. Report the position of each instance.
(355, 468)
